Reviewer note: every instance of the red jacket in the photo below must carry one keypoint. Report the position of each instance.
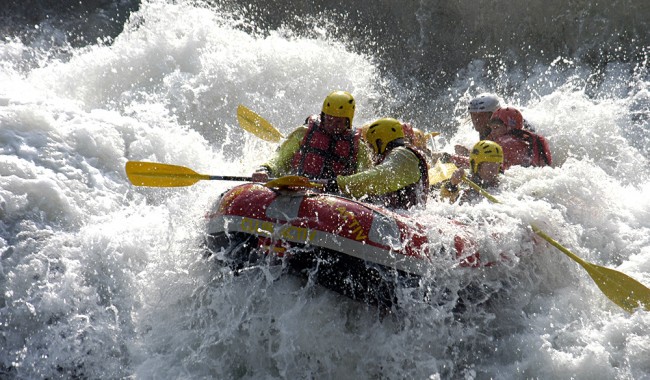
(524, 148)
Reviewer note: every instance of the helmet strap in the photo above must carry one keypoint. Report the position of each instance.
(394, 144)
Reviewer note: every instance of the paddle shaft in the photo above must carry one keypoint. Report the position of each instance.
(221, 178)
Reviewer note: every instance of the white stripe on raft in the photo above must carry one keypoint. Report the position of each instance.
(282, 231)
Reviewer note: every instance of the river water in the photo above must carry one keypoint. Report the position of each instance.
(101, 279)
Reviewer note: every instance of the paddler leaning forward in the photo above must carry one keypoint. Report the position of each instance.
(399, 179)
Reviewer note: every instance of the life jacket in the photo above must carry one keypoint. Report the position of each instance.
(325, 154)
(413, 194)
(523, 148)
(538, 148)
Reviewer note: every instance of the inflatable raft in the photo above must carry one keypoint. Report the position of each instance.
(359, 250)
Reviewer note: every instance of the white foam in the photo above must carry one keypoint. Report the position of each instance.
(105, 280)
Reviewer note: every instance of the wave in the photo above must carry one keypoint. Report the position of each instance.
(434, 39)
(101, 279)
(425, 39)
(428, 55)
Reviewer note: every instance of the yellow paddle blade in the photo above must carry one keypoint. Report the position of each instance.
(441, 172)
(622, 289)
(257, 125)
(291, 181)
(161, 175)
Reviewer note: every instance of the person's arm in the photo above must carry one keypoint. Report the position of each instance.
(449, 192)
(461, 150)
(280, 164)
(364, 157)
(450, 189)
(398, 170)
(459, 161)
(456, 159)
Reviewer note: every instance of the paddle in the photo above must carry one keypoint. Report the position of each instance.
(292, 181)
(257, 125)
(622, 289)
(154, 174)
(441, 172)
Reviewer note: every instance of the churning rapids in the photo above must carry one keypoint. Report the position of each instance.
(103, 280)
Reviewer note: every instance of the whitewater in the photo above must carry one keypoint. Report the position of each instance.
(100, 279)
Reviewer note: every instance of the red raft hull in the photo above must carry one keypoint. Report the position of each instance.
(359, 250)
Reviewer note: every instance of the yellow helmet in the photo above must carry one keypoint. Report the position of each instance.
(339, 104)
(383, 131)
(485, 151)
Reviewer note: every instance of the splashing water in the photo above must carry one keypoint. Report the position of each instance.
(101, 279)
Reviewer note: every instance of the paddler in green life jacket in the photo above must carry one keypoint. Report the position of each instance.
(486, 159)
(400, 177)
(324, 147)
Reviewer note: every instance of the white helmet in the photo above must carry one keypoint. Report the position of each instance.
(484, 103)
